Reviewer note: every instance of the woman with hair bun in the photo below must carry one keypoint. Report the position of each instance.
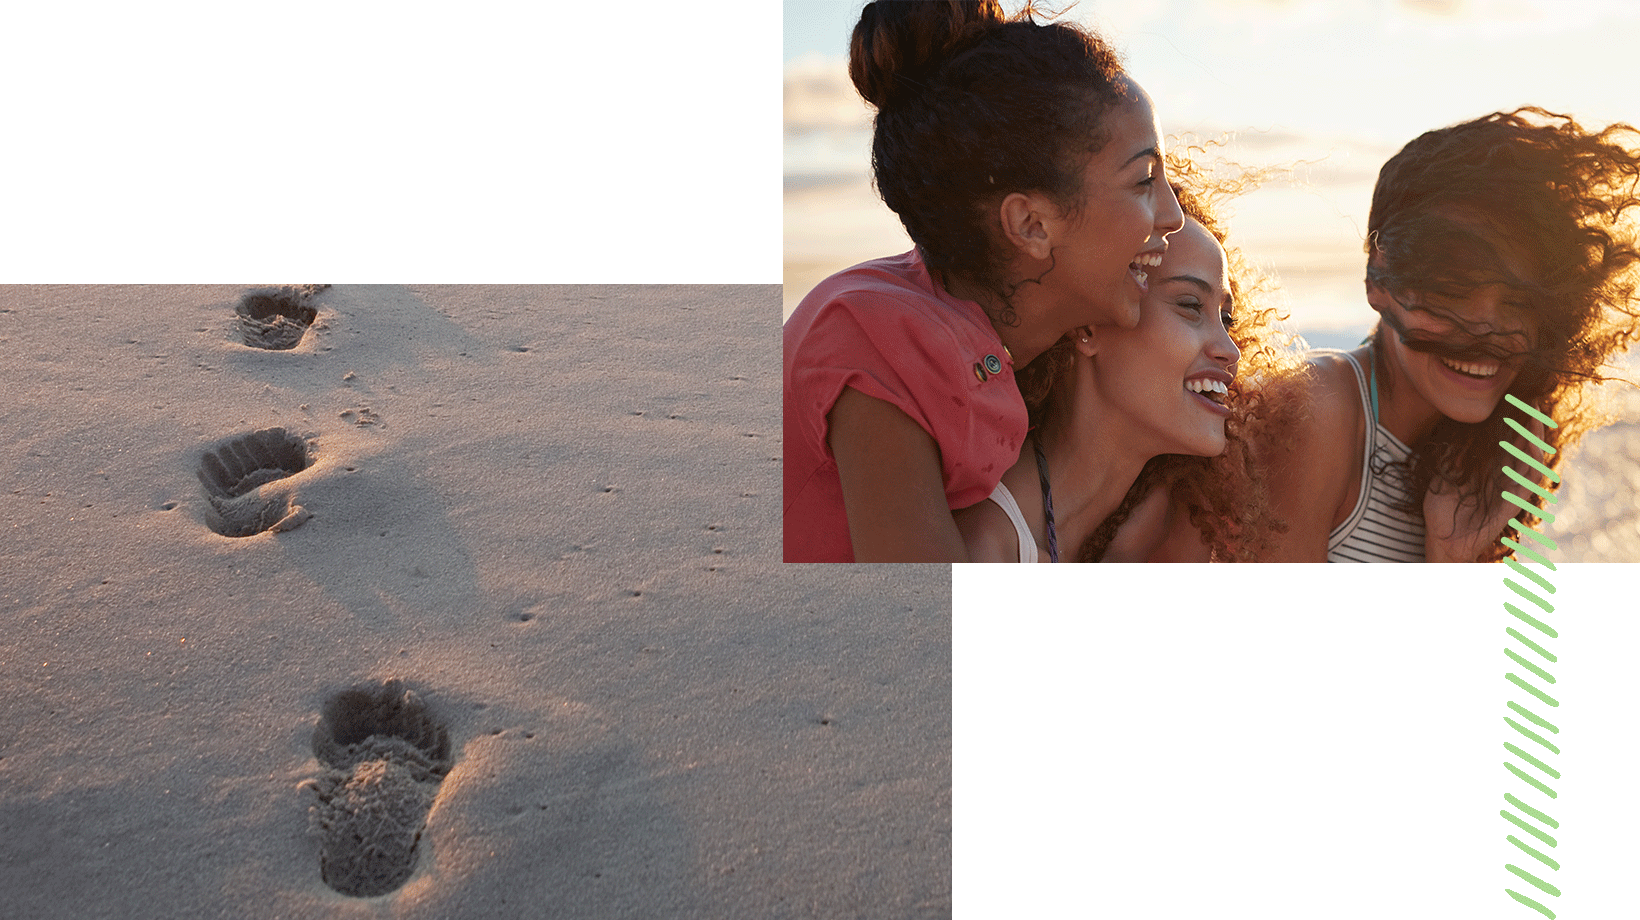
(1028, 170)
(1139, 448)
(1501, 259)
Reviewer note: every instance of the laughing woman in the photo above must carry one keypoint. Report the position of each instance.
(1027, 169)
(1127, 459)
(1501, 259)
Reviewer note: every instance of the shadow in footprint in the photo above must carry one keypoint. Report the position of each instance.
(276, 318)
(385, 756)
(234, 472)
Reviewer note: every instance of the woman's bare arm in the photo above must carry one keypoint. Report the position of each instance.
(893, 487)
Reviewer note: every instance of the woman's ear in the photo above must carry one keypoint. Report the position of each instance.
(1377, 297)
(1024, 224)
(1086, 340)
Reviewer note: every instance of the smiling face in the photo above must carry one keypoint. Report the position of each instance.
(1103, 250)
(1475, 334)
(1168, 375)
(1467, 388)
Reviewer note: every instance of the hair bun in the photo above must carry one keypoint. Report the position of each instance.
(911, 38)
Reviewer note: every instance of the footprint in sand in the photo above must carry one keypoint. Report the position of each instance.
(276, 318)
(234, 472)
(385, 756)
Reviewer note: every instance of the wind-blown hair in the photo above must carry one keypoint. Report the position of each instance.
(972, 106)
(1531, 200)
(1226, 497)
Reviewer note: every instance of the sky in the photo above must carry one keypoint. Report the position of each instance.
(1330, 89)
(1381, 69)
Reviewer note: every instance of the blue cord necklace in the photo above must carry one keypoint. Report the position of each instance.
(1372, 375)
(1047, 499)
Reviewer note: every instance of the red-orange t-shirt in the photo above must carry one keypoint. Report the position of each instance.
(886, 329)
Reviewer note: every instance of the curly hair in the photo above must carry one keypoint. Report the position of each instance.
(1533, 201)
(972, 106)
(1226, 497)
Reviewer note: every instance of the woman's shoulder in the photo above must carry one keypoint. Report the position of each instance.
(1326, 444)
(1313, 459)
(1335, 389)
(891, 296)
(989, 530)
(1314, 443)
(902, 279)
(886, 329)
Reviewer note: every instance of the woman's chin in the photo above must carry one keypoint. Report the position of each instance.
(1203, 444)
(1469, 411)
(1464, 399)
(1470, 418)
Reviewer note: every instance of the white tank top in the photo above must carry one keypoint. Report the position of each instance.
(1027, 543)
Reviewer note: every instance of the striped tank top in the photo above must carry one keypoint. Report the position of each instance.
(1377, 530)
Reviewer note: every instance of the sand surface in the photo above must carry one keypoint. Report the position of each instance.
(552, 512)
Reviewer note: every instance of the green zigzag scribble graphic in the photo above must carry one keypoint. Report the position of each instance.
(1537, 677)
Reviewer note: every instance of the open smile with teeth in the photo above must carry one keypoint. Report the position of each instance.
(1212, 389)
(1138, 266)
(1479, 369)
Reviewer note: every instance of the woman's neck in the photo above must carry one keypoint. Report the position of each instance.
(1031, 332)
(1401, 410)
(1093, 459)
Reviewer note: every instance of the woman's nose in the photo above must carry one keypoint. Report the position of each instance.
(1223, 349)
(1169, 216)
(1492, 310)
(1489, 305)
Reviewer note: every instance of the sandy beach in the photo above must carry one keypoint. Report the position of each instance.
(550, 512)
